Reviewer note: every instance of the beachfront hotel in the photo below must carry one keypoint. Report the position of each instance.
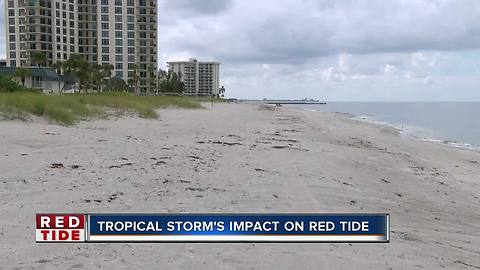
(122, 33)
(200, 78)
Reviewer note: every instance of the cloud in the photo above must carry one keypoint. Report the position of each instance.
(195, 7)
(291, 31)
(337, 50)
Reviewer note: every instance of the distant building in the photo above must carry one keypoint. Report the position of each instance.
(43, 79)
(120, 33)
(3, 63)
(200, 78)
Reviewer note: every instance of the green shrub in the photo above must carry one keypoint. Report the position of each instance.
(9, 85)
(69, 109)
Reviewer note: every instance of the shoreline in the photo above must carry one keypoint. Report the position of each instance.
(238, 158)
(404, 130)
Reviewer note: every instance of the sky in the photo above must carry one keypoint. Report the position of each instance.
(334, 50)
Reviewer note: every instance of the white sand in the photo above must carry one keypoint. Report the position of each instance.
(331, 164)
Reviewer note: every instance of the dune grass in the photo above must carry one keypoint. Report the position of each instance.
(69, 109)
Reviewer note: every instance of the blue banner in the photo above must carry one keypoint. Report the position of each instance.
(238, 228)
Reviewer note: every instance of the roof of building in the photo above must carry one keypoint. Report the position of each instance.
(193, 61)
(44, 72)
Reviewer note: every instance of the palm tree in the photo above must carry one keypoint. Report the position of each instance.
(153, 78)
(58, 66)
(222, 91)
(38, 58)
(107, 70)
(78, 66)
(97, 76)
(22, 74)
(136, 77)
(172, 83)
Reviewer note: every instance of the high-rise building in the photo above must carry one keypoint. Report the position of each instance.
(122, 33)
(200, 78)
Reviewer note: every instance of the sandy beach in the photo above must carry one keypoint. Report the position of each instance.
(238, 158)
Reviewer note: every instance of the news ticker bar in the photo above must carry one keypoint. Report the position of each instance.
(202, 228)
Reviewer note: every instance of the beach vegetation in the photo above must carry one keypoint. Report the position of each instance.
(7, 84)
(172, 83)
(71, 108)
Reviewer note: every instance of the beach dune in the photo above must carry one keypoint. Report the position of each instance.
(238, 158)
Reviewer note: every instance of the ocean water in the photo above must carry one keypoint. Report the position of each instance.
(453, 123)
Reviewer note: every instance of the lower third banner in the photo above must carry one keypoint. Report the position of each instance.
(213, 228)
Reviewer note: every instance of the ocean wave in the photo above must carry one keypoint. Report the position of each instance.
(417, 133)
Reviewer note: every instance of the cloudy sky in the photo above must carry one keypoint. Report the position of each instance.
(345, 50)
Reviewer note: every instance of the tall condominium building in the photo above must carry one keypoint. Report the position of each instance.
(122, 33)
(200, 78)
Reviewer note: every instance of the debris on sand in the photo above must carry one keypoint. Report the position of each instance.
(282, 140)
(226, 143)
(56, 165)
(119, 166)
(196, 189)
(114, 196)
